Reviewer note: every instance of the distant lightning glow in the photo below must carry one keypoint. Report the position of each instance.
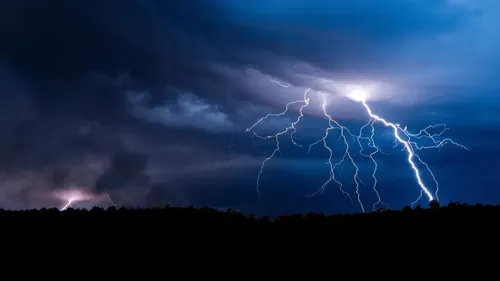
(401, 136)
(75, 194)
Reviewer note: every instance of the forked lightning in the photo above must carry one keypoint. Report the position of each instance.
(401, 136)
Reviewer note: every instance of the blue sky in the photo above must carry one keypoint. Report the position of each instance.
(149, 101)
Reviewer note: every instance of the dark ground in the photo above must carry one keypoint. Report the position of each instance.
(181, 242)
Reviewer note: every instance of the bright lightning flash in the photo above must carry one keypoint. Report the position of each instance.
(358, 95)
(401, 135)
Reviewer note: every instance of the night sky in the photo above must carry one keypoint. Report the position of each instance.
(147, 101)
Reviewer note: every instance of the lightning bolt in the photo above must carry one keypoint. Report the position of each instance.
(279, 83)
(276, 137)
(332, 124)
(79, 198)
(70, 201)
(410, 146)
(111, 201)
(402, 136)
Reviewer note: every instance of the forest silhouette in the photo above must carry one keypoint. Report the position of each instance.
(195, 240)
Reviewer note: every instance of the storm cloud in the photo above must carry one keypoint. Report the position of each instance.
(148, 100)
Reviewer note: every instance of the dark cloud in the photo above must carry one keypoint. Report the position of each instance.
(188, 111)
(127, 170)
(57, 47)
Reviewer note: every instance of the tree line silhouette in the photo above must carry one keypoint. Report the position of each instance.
(215, 240)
